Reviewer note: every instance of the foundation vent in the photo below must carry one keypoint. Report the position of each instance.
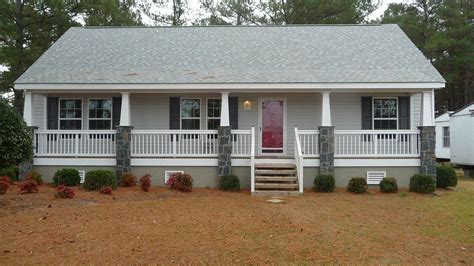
(169, 173)
(374, 177)
(82, 174)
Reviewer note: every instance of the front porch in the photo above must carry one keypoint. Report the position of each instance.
(299, 140)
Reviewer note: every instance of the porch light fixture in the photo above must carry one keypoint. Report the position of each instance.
(247, 105)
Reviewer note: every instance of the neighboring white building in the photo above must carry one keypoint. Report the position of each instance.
(443, 150)
(462, 136)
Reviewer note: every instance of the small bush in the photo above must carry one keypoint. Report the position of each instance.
(421, 183)
(35, 176)
(67, 176)
(230, 183)
(446, 176)
(10, 172)
(357, 185)
(65, 192)
(97, 179)
(6, 179)
(388, 185)
(145, 182)
(106, 190)
(128, 180)
(4, 187)
(29, 186)
(324, 183)
(181, 182)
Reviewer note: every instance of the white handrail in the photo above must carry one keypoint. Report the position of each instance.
(252, 160)
(299, 160)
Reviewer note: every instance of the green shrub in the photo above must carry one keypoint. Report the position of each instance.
(10, 173)
(230, 183)
(16, 140)
(421, 183)
(35, 176)
(388, 185)
(357, 185)
(97, 179)
(446, 176)
(324, 183)
(67, 176)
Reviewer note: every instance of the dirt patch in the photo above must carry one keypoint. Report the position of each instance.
(210, 226)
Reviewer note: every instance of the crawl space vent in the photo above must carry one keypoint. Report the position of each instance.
(374, 177)
(170, 173)
(82, 174)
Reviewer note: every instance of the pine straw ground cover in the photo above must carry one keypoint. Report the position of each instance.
(214, 227)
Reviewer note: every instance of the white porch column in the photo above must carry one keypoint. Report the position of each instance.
(427, 111)
(326, 110)
(225, 121)
(125, 110)
(28, 109)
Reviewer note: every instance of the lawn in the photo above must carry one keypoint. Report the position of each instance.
(213, 227)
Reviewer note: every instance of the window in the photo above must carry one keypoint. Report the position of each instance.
(70, 114)
(385, 111)
(100, 114)
(446, 137)
(190, 114)
(213, 113)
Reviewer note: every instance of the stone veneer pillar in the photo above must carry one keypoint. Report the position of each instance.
(427, 150)
(326, 150)
(122, 144)
(224, 150)
(27, 166)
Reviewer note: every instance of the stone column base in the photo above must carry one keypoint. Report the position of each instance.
(123, 153)
(224, 151)
(27, 166)
(427, 150)
(326, 150)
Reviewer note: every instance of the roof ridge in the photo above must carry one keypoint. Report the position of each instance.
(234, 26)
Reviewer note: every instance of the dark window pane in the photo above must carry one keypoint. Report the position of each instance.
(213, 123)
(190, 123)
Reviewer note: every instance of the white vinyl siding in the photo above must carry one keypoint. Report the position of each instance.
(415, 110)
(39, 111)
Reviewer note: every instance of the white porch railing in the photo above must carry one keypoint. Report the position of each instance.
(186, 143)
(309, 140)
(241, 142)
(252, 160)
(71, 143)
(376, 143)
(173, 143)
(298, 160)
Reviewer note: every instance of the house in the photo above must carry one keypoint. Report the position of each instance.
(275, 105)
(462, 138)
(443, 150)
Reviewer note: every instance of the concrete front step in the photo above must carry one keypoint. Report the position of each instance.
(275, 172)
(275, 186)
(276, 178)
(274, 166)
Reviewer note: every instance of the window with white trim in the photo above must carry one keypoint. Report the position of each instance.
(385, 113)
(70, 114)
(213, 113)
(446, 143)
(100, 114)
(190, 114)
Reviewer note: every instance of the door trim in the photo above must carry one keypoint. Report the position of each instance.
(259, 129)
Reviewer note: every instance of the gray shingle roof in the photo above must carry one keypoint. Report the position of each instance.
(277, 54)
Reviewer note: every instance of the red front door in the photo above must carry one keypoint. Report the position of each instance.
(272, 126)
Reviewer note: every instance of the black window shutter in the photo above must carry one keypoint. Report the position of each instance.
(116, 111)
(175, 112)
(234, 112)
(52, 110)
(404, 112)
(366, 112)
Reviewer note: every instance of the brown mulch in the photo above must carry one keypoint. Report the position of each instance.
(214, 227)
